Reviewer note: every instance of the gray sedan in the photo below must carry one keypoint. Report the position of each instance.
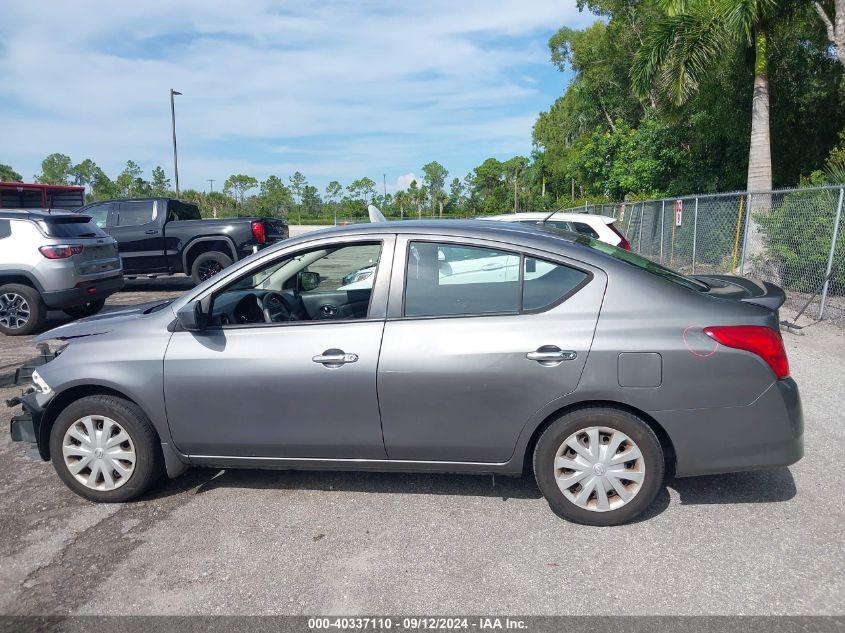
(476, 347)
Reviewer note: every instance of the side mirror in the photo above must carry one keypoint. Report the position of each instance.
(192, 317)
(308, 280)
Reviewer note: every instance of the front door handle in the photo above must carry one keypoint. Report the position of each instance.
(335, 358)
(151, 232)
(551, 355)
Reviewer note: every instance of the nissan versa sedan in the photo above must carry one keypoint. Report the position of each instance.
(595, 368)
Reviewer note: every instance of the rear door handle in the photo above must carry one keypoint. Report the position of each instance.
(335, 358)
(551, 355)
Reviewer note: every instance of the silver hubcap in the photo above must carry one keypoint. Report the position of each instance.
(99, 453)
(599, 468)
(14, 311)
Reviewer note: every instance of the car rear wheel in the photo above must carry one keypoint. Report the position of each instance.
(105, 449)
(599, 466)
(89, 309)
(206, 265)
(22, 311)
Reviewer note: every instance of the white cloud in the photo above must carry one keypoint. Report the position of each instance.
(403, 182)
(334, 89)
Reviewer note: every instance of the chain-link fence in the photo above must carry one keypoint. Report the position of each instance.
(791, 237)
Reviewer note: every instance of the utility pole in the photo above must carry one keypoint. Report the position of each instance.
(173, 93)
(384, 179)
(211, 185)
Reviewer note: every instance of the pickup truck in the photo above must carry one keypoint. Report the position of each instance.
(162, 236)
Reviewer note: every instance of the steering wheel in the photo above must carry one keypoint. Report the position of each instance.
(275, 308)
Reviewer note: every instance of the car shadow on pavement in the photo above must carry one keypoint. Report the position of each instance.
(375, 482)
(759, 486)
(769, 486)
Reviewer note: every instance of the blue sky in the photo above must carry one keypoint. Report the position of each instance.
(336, 90)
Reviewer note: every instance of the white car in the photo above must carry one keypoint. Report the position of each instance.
(599, 227)
(461, 265)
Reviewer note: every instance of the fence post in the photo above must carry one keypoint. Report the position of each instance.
(748, 208)
(662, 218)
(642, 219)
(832, 249)
(694, 233)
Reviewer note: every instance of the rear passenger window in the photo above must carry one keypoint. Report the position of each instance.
(445, 279)
(451, 280)
(546, 283)
(136, 213)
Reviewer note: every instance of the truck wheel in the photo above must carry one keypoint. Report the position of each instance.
(89, 309)
(22, 311)
(209, 264)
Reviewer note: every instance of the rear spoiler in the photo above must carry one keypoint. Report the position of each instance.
(761, 293)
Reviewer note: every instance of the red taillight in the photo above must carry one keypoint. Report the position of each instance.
(61, 251)
(624, 243)
(258, 232)
(757, 339)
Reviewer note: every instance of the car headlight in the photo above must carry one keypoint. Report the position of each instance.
(39, 383)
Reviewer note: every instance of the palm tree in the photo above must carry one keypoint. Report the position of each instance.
(684, 46)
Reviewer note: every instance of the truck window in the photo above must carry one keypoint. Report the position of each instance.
(178, 210)
(136, 213)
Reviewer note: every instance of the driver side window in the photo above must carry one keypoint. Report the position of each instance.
(326, 283)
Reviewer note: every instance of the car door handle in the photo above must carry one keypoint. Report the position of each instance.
(492, 267)
(335, 358)
(551, 355)
(151, 232)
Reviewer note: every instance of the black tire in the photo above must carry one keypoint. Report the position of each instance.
(149, 462)
(206, 265)
(27, 298)
(568, 424)
(89, 309)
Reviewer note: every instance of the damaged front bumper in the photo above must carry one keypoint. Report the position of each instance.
(26, 426)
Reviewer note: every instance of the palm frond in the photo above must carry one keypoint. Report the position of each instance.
(678, 54)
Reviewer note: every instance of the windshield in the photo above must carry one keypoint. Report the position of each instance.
(641, 262)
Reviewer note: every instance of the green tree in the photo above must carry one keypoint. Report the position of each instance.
(237, 185)
(362, 189)
(55, 170)
(274, 198)
(7, 174)
(402, 200)
(456, 195)
(334, 191)
(685, 46)
(85, 173)
(434, 180)
(515, 168)
(130, 183)
(160, 184)
(297, 184)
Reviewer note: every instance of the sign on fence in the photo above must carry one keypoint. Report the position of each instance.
(679, 212)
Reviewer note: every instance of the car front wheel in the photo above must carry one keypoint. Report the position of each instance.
(599, 466)
(105, 449)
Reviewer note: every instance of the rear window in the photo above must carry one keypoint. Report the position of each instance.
(182, 211)
(644, 264)
(585, 229)
(79, 226)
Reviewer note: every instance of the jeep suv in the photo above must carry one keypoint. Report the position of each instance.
(53, 260)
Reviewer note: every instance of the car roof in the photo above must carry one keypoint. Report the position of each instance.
(536, 215)
(511, 233)
(32, 214)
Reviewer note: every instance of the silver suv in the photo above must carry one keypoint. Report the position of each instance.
(53, 260)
